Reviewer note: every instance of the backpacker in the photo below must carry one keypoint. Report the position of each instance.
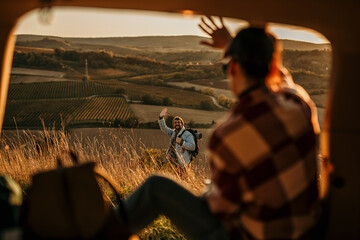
(197, 135)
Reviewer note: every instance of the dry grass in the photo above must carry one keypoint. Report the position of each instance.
(24, 154)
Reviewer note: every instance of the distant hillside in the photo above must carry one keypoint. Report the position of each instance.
(304, 46)
(45, 43)
(152, 43)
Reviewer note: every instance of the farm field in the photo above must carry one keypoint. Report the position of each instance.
(37, 72)
(215, 83)
(177, 96)
(63, 112)
(24, 49)
(149, 113)
(33, 113)
(53, 90)
(217, 91)
(103, 109)
(37, 79)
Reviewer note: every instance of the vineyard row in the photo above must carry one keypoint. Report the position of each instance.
(31, 113)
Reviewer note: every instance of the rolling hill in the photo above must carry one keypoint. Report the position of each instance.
(151, 43)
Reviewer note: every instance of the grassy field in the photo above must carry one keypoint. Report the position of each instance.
(24, 154)
(217, 91)
(148, 113)
(178, 96)
(37, 72)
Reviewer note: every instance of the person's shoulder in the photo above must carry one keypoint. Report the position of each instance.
(295, 93)
(187, 132)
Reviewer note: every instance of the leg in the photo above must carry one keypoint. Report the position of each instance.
(189, 213)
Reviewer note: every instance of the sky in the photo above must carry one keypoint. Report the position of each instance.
(88, 22)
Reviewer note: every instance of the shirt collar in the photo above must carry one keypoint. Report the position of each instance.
(253, 87)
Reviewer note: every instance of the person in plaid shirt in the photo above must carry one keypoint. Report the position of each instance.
(262, 159)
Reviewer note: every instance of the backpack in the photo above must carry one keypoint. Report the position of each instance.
(67, 203)
(197, 135)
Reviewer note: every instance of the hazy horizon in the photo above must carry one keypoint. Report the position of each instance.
(104, 23)
(57, 36)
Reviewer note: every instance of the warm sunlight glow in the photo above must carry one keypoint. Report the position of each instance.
(188, 12)
(89, 22)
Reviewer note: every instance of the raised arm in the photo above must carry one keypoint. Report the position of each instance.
(220, 35)
(162, 123)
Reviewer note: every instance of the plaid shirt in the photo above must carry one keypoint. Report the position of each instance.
(264, 167)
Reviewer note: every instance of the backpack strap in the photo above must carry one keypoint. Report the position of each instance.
(180, 135)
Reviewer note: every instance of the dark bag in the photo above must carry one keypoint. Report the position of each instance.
(67, 203)
(197, 136)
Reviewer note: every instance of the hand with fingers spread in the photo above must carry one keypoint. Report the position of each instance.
(221, 36)
(163, 112)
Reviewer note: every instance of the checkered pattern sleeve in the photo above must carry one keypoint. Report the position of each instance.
(263, 165)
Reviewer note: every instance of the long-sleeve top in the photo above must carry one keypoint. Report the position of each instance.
(263, 161)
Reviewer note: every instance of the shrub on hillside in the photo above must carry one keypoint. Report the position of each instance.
(225, 101)
(151, 100)
(132, 122)
(206, 105)
(35, 60)
(167, 101)
(120, 90)
(191, 124)
(193, 89)
(150, 125)
(208, 91)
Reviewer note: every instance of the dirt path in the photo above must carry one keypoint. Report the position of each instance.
(216, 103)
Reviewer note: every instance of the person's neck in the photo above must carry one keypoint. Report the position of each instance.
(250, 87)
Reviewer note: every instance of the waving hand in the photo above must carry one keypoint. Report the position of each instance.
(220, 35)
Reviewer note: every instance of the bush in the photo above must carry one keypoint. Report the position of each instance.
(166, 101)
(225, 101)
(120, 90)
(191, 124)
(206, 105)
(208, 91)
(150, 125)
(151, 100)
(131, 122)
